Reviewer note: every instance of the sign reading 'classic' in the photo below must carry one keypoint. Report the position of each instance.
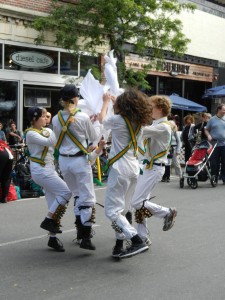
(31, 59)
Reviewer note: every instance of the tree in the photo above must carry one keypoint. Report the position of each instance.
(150, 25)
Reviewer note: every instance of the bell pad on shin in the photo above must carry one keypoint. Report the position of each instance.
(141, 214)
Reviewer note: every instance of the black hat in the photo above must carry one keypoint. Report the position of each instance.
(68, 92)
(34, 112)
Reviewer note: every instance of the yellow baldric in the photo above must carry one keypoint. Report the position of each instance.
(65, 130)
(46, 134)
(133, 142)
(149, 165)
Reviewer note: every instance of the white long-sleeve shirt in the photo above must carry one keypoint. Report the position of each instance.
(36, 143)
(128, 164)
(82, 129)
(159, 139)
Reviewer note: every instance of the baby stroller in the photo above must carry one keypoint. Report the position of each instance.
(197, 168)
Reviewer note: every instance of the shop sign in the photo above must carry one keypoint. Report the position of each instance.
(32, 59)
(171, 68)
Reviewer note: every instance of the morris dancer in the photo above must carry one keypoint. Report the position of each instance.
(158, 137)
(75, 132)
(132, 110)
(40, 142)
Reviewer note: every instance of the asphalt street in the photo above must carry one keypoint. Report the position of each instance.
(185, 263)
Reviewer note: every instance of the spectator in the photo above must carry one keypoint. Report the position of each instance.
(186, 135)
(15, 136)
(48, 120)
(6, 159)
(172, 157)
(215, 132)
(198, 130)
(2, 133)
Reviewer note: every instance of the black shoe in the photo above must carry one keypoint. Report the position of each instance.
(169, 219)
(3, 200)
(56, 244)
(50, 225)
(87, 244)
(167, 179)
(163, 179)
(134, 249)
(118, 249)
(129, 217)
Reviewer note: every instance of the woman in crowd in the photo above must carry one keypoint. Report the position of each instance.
(187, 137)
(40, 142)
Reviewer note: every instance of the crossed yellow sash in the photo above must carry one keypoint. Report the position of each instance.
(65, 130)
(133, 142)
(45, 151)
(149, 164)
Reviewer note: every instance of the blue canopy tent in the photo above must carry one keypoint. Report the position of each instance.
(218, 91)
(185, 104)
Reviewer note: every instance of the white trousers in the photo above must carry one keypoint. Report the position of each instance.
(144, 187)
(119, 192)
(56, 190)
(78, 175)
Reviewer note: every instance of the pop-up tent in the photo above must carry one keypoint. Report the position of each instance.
(185, 104)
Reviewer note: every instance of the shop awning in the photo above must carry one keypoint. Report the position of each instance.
(216, 92)
(185, 104)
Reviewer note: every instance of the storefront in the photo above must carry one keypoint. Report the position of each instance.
(184, 78)
(31, 75)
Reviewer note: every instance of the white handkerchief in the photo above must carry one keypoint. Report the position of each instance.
(92, 92)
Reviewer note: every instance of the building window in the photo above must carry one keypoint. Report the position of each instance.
(68, 64)
(37, 97)
(86, 62)
(31, 59)
(8, 101)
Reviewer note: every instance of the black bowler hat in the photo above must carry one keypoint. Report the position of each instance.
(68, 92)
(34, 112)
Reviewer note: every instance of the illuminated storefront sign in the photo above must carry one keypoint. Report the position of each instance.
(31, 59)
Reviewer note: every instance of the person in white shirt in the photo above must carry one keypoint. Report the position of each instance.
(158, 137)
(40, 142)
(132, 111)
(75, 132)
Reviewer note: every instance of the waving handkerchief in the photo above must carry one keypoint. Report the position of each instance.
(110, 72)
(92, 92)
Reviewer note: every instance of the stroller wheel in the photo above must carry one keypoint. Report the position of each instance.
(189, 181)
(194, 183)
(213, 181)
(181, 183)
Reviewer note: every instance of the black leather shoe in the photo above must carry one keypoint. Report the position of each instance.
(50, 225)
(87, 244)
(56, 244)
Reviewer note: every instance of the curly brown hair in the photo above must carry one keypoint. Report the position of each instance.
(188, 117)
(134, 105)
(162, 102)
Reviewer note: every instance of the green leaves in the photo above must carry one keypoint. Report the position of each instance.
(92, 23)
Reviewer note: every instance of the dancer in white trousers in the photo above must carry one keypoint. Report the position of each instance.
(132, 110)
(75, 133)
(158, 137)
(40, 142)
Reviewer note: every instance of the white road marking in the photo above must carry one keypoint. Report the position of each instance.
(35, 238)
